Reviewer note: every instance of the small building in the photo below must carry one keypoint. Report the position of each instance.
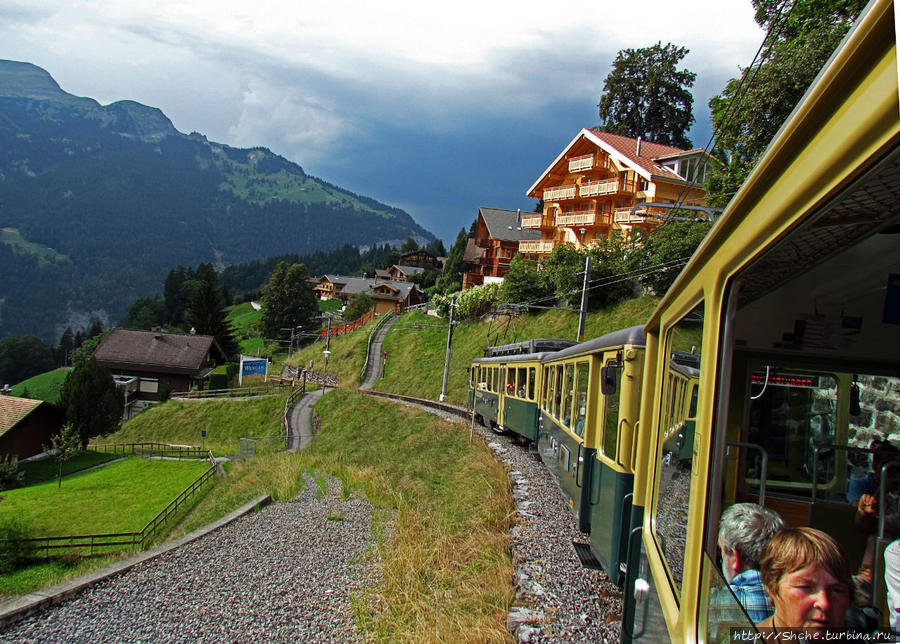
(145, 362)
(598, 183)
(26, 426)
(422, 259)
(498, 233)
(382, 274)
(403, 273)
(329, 287)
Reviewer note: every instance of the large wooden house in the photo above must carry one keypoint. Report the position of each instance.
(597, 185)
(26, 426)
(498, 235)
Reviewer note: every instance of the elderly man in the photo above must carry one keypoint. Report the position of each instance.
(744, 532)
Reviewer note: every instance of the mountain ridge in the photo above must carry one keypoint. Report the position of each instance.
(125, 197)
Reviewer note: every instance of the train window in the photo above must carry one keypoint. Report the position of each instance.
(566, 411)
(581, 393)
(611, 416)
(793, 417)
(675, 447)
(557, 393)
(545, 388)
(494, 376)
(520, 382)
(531, 379)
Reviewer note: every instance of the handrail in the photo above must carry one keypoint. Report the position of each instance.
(296, 394)
(166, 450)
(230, 393)
(381, 322)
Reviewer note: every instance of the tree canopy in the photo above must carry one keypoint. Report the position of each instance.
(646, 95)
(288, 300)
(206, 310)
(93, 404)
(751, 109)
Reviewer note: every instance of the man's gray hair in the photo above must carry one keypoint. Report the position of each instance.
(747, 528)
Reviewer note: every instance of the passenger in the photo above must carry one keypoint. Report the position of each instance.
(864, 493)
(892, 582)
(808, 579)
(744, 532)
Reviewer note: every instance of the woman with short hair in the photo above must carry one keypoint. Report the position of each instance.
(808, 580)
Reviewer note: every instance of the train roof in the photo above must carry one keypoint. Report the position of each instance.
(631, 335)
(518, 357)
(536, 345)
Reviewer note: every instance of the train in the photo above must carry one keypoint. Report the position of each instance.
(764, 374)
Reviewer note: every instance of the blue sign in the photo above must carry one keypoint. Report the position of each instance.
(203, 433)
(250, 367)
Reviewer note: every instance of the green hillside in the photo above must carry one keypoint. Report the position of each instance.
(44, 386)
(100, 202)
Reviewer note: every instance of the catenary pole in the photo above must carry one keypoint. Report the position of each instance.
(584, 298)
(447, 357)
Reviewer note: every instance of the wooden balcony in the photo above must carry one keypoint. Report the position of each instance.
(624, 216)
(532, 221)
(583, 218)
(582, 163)
(559, 193)
(535, 247)
(608, 187)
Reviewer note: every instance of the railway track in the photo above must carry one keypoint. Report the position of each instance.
(462, 412)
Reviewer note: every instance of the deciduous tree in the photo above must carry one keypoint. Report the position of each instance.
(647, 95)
(63, 446)
(751, 109)
(358, 306)
(288, 300)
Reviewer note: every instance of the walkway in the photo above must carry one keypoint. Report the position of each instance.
(300, 425)
(375, 362)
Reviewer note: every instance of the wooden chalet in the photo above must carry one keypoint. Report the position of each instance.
(27, 425)
(389, 295)
(144, 362)
(592, 188)
(422, 259)
(403, 273)
(498, 236)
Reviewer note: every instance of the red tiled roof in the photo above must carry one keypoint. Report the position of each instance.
(13, 410)
(627, 147)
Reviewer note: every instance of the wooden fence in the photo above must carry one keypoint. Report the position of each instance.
(348, 327)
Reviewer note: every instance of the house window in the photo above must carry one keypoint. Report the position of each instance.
(149, 385)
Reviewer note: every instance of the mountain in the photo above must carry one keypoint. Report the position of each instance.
(99, 202)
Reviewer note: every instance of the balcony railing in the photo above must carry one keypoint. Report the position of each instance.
(532, 221)
(579, 164)
(559, 193)
(539, 246)
(583, 218)
(624, 216)
(608, 187)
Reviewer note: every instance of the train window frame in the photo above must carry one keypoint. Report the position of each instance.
(532, 373)
(568, 399)
(611, 451)
(580, 411)
(673, 556)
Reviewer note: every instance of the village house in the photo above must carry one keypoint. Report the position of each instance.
(498, 235)
(144, 363)
(26, 426)
(389, 295)
(403, 273)
(598, 183)
(422, 259)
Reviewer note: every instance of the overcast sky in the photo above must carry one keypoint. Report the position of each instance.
(437, 108)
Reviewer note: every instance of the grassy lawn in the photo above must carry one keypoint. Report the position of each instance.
(329, 306)
(246, 323)
(46, 469)
(225, 421)
(348, 353)
(120, 497)
(44, 386)
(417, 344)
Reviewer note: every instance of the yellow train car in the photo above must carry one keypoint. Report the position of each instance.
(795, 290)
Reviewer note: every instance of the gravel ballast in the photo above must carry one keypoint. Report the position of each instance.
(285, 573)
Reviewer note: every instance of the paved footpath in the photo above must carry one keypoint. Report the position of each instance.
(300, 425)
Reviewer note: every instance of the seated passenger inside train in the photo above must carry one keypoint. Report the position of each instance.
(744, 532)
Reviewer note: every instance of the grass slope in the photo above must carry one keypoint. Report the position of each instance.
(348, 354)
(119, 497)
(225, 422)
(44, 386)
(417, 344)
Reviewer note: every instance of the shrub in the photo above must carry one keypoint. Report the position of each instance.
(14, 551)
(10, 476)
(471, 303)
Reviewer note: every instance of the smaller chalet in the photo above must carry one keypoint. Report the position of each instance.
(422, 259)
(143, 362)
(403, 273)
(497, 236)
(27, 425)
(389, 295)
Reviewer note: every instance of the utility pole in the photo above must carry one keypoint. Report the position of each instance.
(447, 357)
(584, 297)
(327, 353)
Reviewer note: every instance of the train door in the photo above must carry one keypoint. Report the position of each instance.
(659, 550)
(611, 475)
